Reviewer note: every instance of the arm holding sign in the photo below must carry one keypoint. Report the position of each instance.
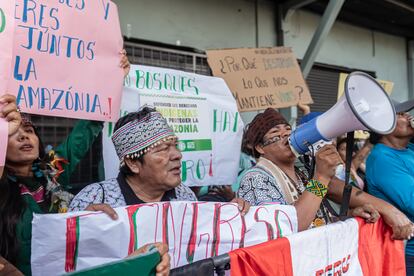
(11, 114)
(75, 146)
(124, 64)
(304, 108)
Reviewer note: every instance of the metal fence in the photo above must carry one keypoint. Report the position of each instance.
(167, 58)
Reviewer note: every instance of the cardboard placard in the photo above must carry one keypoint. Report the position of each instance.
(261, 78)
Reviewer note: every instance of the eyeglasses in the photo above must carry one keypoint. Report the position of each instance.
(271, 141)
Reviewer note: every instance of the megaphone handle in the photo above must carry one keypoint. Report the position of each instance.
(346, 195)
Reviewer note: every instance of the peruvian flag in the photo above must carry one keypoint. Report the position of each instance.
(352, 247)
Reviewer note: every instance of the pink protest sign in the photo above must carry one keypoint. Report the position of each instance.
(66, 58)
(6, 54)
(6, 42)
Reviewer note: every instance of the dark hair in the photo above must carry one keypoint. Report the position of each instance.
(12, 207)
(126, 119)
(343, 140)
(126, 170)
(374, 138)
(245, 146)
(340, 141)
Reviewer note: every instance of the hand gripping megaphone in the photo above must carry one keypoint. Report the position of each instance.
(364, 106)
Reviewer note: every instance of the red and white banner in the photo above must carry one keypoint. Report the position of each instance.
(344, 248)
(193, 230)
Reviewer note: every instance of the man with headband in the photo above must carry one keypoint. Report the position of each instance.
(390, 169)
(150, 167)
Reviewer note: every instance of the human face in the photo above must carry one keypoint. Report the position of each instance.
(275, 146)
(342, 150)
(23, 146)
(161, 166)
(403, 128)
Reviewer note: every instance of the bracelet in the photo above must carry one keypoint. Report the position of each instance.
(317, 188)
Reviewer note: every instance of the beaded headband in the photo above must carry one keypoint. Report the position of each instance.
(136, 137)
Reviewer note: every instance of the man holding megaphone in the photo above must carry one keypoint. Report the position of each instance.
(275, 177)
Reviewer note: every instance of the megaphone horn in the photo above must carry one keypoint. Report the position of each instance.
(364, 106)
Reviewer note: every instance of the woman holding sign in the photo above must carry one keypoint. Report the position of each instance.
(8, 111)
(12, 206)
(35, 182)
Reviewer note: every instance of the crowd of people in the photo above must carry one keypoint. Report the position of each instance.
(35, 181)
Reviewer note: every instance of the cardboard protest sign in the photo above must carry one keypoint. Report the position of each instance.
(261, 78)
(192, 230)
(6, 42)
(202, 113)
(66, 58)
(387, 85)
(6, 53)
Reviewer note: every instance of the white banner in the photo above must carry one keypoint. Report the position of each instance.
(352, 247)
(193, 230)
(330, 250)
(203, 114)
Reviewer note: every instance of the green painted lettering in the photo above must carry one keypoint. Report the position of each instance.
(2, 21)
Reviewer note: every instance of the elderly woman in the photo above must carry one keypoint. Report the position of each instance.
(32, 179)
(276, 179)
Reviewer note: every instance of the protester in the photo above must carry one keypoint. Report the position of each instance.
(31, 182)
(275, 179)
(15, 239)
(358, 158)
(390, 169)
(10, 113)
(150, 169)
(364, 148)
(268, 135)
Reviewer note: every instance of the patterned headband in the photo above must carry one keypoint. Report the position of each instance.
(135, 138)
